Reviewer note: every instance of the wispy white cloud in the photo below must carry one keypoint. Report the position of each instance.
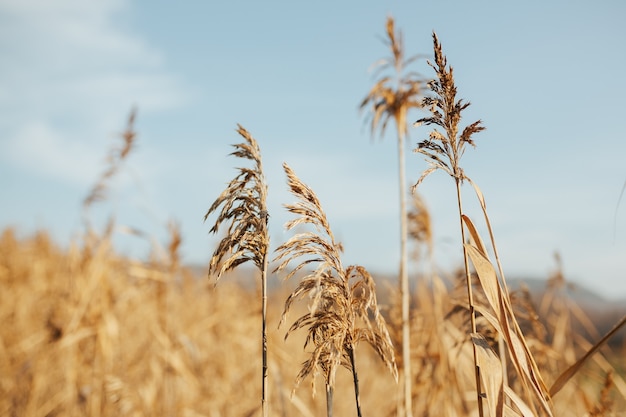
(38, 147)
(71, 71)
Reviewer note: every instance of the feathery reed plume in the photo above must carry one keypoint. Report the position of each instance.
(114, 161)
(343, 310)
(244, 206)
(443, 152)
(390, 99)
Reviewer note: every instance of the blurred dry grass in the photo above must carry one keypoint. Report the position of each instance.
(88, 332)
(81, 335)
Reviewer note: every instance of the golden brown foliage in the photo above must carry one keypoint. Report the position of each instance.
(81, 335)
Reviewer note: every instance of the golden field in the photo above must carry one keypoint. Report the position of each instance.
(88, 332)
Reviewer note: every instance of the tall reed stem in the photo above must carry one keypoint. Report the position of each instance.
(329, 400)
(404, 281)
(470, 297)
(264, 395)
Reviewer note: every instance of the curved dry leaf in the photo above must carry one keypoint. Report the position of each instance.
(520, 353)
(475, 236)
(486, 276)
(571, 371)
(519, 403)
(490, 373)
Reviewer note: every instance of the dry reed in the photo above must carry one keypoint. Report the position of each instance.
(114, 161)
(244, 206)
(444, 152)
(343, 310)
(391, 98)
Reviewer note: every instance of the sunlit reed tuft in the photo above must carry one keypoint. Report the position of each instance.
(343, 310)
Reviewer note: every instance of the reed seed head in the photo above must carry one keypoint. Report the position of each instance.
(443, 150)
(343, 309)
(244, 207)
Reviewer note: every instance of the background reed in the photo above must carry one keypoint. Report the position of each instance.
(391, 98)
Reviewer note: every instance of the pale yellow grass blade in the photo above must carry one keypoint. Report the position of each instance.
(490, 373)
(509, 412)
(519, 403)
(520, 354)
(478, 241)
(571, 371)
(601, 361)
(487, 277)
(536, 378)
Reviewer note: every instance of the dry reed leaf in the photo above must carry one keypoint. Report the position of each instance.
(483, 206)
(478, 241)
(519, 403)
(520, 354)
(485, 311)
(605, 366)
(571, 371)
(522, 357)
(490, 373)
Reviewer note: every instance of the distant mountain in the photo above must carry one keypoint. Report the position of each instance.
(579, 294)
(582, 296)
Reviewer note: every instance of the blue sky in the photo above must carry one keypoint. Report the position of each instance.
(545, 77)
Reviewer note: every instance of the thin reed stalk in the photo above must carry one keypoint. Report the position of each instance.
(244, 207)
